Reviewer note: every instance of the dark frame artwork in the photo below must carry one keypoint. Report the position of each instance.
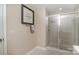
(25, 16)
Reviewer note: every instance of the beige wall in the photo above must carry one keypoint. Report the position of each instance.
(41, 26)
(20, 40)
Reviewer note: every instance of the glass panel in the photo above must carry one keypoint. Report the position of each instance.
(1, 30)
(76, 41)
(53, 31)
(66, 31)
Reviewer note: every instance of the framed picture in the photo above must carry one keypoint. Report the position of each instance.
(27, 15)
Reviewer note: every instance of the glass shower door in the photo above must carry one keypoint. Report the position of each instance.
(76, 41)
(1, 31)
(53, 31)
(66, 31)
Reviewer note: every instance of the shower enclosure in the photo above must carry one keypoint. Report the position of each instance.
(3, 42)
(63, 31)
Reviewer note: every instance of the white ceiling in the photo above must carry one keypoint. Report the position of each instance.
(54, 8)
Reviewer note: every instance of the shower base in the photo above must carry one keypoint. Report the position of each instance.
(48, 51)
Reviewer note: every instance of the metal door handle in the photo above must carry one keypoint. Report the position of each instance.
(1, 40)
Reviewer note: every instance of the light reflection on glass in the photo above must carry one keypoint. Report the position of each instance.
(59, 20)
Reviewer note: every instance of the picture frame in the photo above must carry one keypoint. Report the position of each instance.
(27, 15)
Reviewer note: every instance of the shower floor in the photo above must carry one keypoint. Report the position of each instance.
(48, 51)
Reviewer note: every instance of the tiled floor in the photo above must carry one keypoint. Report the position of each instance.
(48, 51)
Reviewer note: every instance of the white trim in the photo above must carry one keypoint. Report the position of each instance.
(4, 25)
